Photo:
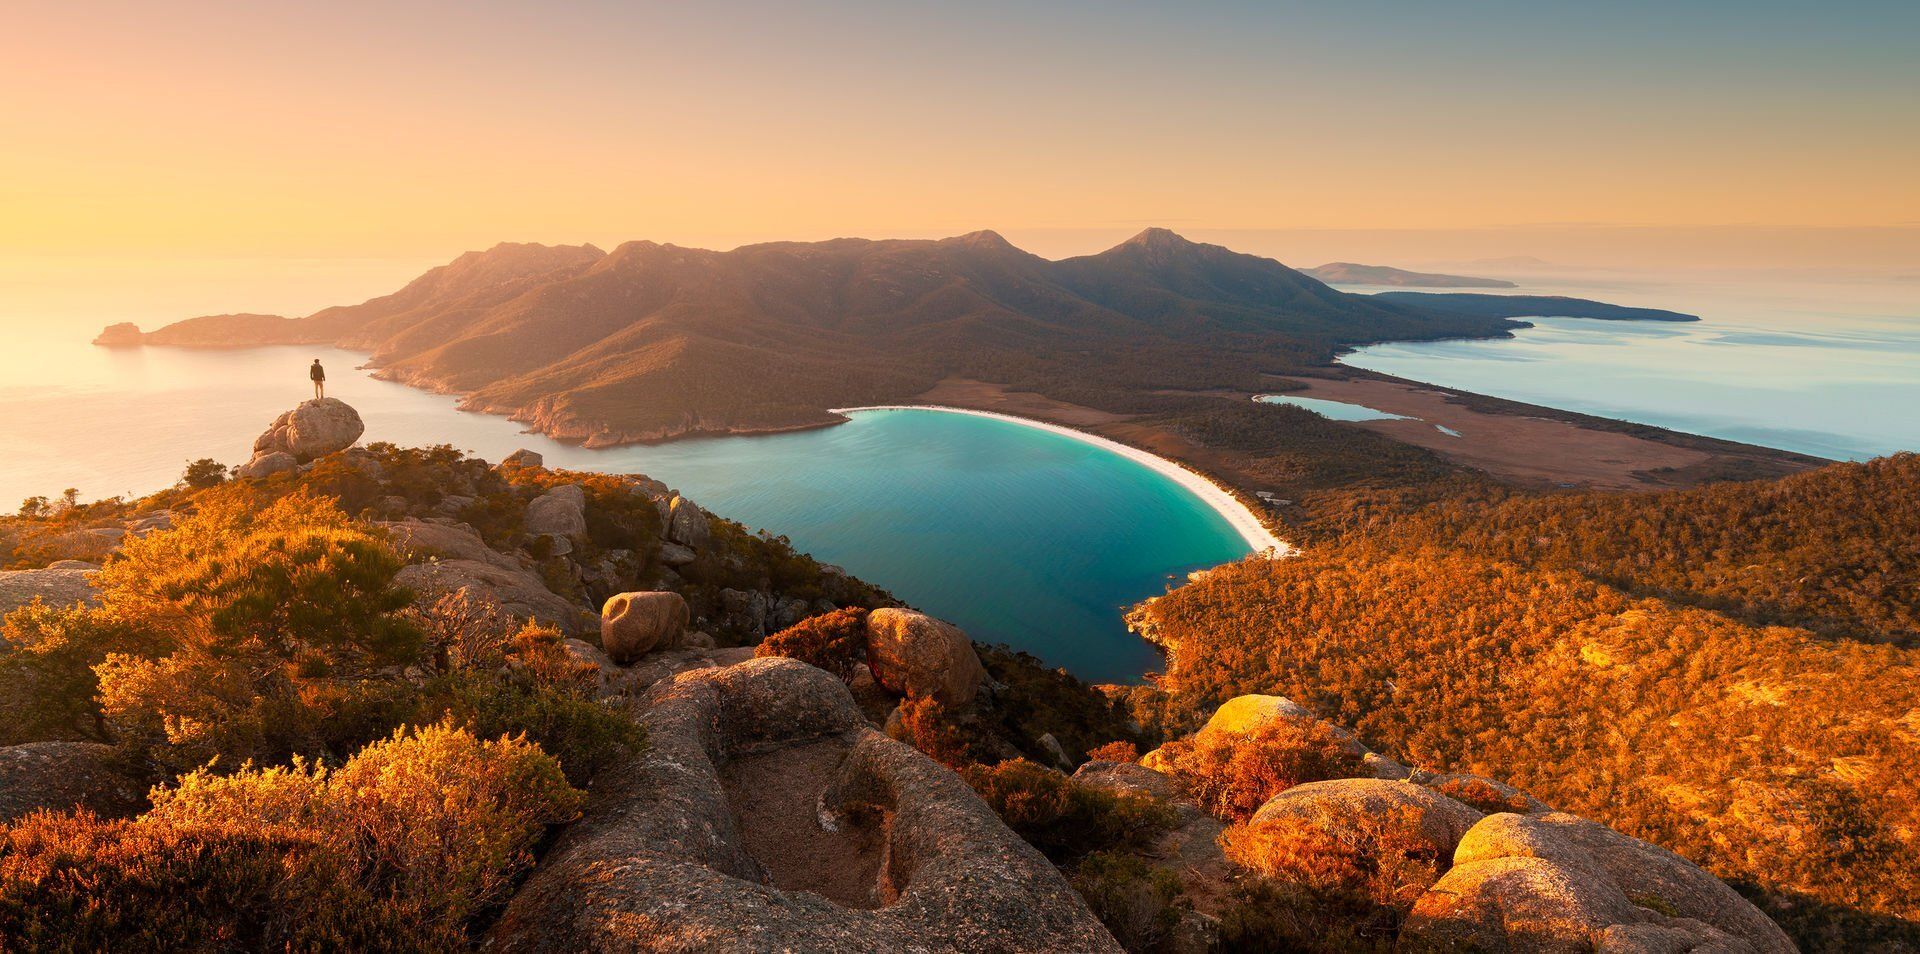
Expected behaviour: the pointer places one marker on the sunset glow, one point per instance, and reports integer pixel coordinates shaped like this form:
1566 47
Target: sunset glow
218 128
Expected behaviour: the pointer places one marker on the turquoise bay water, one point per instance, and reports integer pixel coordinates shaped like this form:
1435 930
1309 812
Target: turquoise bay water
1018 535
1332 410
1829 367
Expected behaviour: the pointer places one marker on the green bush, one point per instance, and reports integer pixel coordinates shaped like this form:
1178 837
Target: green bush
1063 818
1139 903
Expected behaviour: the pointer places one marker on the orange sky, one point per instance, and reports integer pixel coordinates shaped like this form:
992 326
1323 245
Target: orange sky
417 130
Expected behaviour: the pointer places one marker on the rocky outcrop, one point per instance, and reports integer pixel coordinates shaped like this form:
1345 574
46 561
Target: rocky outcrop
58 776
560 512
267 464
511 592
523 458
913 654
312 430
1558 882
635 624
123 334
1338 806
765 815
444 540
1242 716
1513 875
54 587
687 523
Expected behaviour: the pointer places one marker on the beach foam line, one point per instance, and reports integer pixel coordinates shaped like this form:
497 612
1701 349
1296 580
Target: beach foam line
1237 514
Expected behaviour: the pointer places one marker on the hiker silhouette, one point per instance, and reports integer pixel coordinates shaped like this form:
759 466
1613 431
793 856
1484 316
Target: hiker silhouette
319 376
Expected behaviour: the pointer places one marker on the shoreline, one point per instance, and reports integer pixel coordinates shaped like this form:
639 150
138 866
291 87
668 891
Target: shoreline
1237 514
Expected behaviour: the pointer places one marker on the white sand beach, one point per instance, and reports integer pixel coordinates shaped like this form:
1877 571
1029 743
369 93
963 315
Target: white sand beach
1238 515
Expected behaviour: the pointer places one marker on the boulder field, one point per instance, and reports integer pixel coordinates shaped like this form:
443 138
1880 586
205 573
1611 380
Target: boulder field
1525 881
766 814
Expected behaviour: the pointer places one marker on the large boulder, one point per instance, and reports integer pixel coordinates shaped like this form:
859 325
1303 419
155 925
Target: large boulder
765 814
1125 778
266 464
635 624
54 587
1558 882
1341 806
523 458
560 512
915 655
744 612
508 592
58 776
312 430
687 524
1241 716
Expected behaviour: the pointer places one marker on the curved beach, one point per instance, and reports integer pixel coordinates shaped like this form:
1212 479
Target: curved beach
1238 516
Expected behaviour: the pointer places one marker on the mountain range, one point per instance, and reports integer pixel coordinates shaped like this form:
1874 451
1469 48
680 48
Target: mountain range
651 341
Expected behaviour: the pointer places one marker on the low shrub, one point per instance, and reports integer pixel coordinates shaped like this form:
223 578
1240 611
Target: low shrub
1139 903
836 642
950 738
1114 752
1232 776
1063 818
582 733
1483 795
1378 858
400 848
1268 917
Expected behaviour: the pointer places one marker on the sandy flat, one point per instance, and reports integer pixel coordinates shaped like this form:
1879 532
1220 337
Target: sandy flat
1526 450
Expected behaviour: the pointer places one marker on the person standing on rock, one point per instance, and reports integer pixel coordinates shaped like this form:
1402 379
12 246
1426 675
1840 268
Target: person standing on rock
319 376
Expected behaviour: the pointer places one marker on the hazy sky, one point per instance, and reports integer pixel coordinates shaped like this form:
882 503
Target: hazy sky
416 129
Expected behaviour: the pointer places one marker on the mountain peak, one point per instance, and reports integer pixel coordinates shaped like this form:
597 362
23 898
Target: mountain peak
983 238
1156 238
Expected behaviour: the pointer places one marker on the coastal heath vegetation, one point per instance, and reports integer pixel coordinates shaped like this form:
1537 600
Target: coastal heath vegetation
334 763
1726 672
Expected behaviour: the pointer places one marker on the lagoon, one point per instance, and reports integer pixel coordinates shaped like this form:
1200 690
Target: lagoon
1019 535
1827 367
1332 410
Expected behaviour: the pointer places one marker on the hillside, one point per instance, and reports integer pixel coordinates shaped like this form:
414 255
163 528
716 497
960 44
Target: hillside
1348 273
383 698
1707 669
650 341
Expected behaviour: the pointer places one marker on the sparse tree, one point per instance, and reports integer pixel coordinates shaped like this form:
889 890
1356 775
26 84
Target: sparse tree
203 473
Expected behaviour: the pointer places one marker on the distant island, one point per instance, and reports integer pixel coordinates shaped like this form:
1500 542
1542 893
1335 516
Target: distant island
1348 273
1530 306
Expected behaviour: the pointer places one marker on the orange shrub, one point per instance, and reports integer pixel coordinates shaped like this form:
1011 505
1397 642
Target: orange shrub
1232 776
1377 858
836 642
399 849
